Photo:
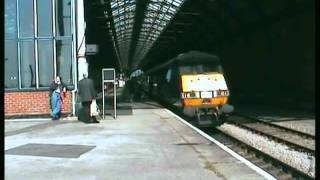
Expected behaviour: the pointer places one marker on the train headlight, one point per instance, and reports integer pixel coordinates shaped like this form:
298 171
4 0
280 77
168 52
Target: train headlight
215 93
190 95
222 93
206 94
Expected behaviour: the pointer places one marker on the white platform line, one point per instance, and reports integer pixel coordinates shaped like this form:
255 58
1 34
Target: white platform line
225 148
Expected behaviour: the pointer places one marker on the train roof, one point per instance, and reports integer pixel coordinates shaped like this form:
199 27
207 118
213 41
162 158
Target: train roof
196 57
188 57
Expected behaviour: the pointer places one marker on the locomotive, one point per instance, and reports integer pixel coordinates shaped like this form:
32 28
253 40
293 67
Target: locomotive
195 83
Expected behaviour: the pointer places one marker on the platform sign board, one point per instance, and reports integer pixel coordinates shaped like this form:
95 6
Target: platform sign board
109 76
92 49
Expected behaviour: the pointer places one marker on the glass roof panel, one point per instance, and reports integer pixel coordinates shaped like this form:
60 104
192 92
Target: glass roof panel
158 14
123 12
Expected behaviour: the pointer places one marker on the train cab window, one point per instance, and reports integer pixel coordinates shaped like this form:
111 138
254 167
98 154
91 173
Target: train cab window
168 76
200 68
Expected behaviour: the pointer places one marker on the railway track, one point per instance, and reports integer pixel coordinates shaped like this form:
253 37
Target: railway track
296 140
267 162
273 166
307 135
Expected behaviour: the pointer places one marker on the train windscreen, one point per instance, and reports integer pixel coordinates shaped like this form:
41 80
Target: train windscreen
200 68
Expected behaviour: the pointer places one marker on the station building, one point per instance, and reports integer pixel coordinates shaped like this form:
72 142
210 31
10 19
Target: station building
40 43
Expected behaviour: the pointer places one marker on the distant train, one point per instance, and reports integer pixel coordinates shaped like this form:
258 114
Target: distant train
193 81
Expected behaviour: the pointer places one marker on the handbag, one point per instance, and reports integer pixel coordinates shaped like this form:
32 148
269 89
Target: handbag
94 109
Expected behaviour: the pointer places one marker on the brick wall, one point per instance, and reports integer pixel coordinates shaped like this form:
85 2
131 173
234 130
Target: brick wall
32 103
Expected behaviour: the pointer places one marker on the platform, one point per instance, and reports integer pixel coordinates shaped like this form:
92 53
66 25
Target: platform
151 143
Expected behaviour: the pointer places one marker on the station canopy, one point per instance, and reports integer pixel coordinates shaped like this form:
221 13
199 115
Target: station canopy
136 25
143 34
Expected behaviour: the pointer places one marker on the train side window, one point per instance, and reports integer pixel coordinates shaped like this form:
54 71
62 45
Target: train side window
168 76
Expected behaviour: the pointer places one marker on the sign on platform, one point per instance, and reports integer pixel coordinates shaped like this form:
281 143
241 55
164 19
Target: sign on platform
109 76
92 49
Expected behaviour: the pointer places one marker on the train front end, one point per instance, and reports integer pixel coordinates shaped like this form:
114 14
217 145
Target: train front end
205 91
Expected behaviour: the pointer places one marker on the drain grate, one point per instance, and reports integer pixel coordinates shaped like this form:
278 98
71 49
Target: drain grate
50 150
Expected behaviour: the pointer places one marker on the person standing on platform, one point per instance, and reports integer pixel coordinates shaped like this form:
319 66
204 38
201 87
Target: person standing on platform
86 93
56 89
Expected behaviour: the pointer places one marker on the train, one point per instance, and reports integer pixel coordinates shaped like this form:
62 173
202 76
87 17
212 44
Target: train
194 82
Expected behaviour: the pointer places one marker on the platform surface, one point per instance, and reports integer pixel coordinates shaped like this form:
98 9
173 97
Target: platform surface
148 144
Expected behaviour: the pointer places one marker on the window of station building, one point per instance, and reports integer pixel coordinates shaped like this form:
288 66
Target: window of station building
26 23
64 60
63 17
10 15
28 67
11 65
54 53
46 62
44 15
